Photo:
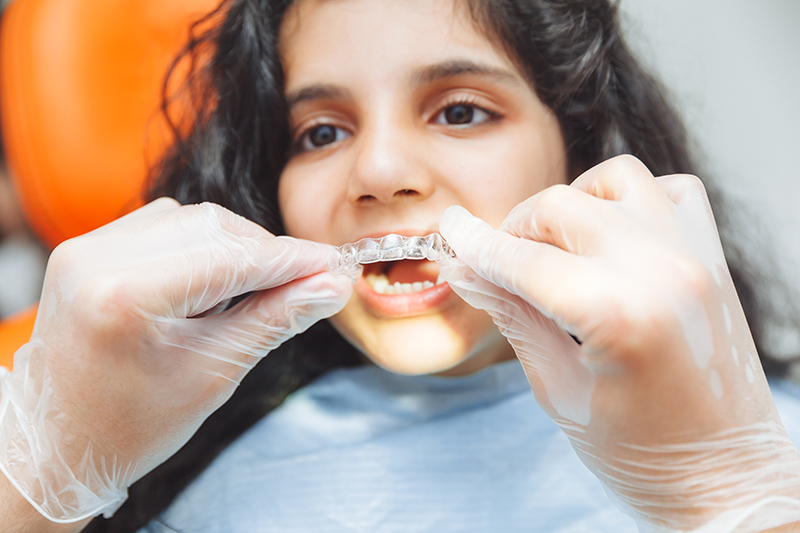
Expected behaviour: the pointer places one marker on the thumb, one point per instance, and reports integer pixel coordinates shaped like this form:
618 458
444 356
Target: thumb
478 245
230 343
547 277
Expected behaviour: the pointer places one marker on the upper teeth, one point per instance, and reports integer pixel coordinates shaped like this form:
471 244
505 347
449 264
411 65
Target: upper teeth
380 284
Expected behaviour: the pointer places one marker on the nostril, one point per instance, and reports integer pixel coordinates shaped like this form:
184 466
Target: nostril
366 198
406 192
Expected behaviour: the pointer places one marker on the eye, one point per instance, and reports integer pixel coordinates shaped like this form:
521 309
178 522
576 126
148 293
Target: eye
463 114
319 136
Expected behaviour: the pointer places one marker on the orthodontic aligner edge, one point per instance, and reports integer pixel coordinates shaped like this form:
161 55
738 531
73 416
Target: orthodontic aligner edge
390 247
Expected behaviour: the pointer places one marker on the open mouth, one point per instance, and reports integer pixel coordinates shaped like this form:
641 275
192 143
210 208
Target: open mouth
401 277
402 288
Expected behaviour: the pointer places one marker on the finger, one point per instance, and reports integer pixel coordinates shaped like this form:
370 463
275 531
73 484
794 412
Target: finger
677 186
182 261
550 279
147 211
616 179
228 344
194 282
565 217
211 255
504 307
553 362
264 260
697 228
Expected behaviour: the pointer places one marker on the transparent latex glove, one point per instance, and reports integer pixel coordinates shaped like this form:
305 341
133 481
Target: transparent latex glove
665 400
116 377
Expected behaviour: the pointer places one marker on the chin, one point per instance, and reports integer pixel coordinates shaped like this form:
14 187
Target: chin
460 342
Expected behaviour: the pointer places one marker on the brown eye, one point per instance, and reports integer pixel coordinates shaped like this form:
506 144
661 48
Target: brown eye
459 114
321 136
463 115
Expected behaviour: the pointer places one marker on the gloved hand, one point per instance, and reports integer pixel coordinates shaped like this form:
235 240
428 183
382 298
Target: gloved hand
664 400
131 351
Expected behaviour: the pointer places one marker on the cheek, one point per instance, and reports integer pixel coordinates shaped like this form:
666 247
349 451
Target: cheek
302 206
498 176
312 194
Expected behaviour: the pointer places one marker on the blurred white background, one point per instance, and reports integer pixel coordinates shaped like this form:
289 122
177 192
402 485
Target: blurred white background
734 71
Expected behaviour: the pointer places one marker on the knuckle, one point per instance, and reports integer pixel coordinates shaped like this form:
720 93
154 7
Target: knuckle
106 303
63 254
621 168
624 164
519 221
166 201
693 279
206 211
226 219
202 213
552 202
689 182
68 260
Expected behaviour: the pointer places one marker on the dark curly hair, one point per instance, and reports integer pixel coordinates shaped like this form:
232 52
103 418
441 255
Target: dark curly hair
232 145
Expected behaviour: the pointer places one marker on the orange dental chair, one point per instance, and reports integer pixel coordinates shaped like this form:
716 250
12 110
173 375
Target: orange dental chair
80 87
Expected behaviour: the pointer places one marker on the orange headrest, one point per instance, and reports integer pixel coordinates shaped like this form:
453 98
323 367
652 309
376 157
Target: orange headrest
80 84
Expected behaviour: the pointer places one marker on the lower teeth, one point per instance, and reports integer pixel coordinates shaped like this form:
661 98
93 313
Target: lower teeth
381 285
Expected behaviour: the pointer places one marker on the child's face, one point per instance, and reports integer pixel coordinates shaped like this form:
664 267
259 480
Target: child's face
400 109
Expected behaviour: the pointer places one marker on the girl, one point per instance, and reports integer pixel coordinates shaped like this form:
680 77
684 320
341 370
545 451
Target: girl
333 121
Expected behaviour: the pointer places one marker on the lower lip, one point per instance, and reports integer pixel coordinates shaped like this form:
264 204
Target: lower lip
403 305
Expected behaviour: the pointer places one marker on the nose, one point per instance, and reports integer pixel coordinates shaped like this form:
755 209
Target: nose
388 169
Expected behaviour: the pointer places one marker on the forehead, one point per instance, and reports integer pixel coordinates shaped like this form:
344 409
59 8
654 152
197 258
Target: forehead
339 41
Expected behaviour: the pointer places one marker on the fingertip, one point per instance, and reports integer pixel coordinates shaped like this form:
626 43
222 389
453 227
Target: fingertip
452 219
327 285
317 296
457 224
613 178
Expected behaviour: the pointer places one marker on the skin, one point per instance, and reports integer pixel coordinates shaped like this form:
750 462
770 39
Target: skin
385 74
394 166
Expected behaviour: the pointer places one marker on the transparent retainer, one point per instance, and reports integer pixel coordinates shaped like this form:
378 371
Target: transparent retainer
391 247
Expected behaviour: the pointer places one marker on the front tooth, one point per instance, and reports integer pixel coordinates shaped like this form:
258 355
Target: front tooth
439 280
380 284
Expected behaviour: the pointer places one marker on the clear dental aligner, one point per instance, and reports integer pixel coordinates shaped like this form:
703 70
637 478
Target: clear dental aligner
390 248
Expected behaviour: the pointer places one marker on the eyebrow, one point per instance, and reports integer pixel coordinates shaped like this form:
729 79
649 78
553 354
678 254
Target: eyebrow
460 67
422 76
317 92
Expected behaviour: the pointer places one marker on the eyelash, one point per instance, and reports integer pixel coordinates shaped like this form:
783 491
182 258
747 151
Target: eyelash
297 145
469 101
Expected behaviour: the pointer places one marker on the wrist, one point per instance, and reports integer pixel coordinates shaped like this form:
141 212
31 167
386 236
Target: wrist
18 516
38 458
